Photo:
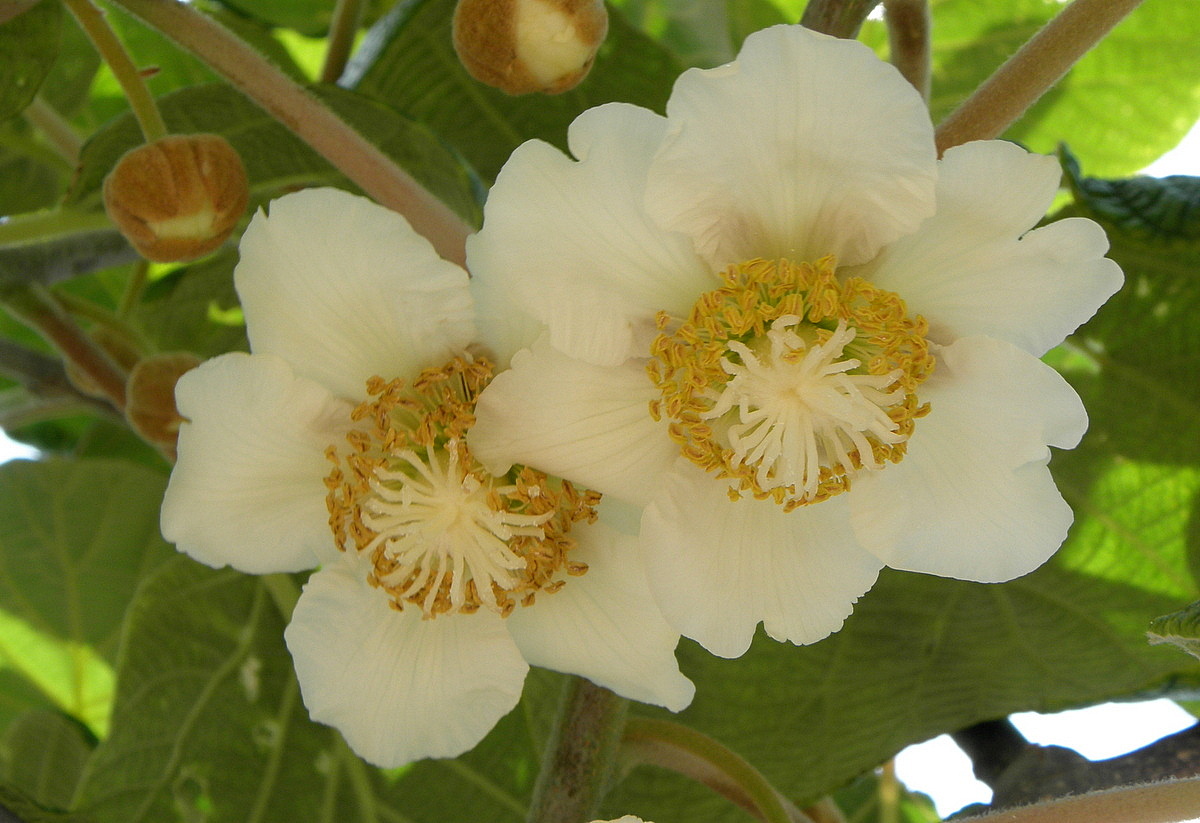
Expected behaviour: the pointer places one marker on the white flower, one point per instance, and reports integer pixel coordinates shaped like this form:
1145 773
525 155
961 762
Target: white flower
339 443
806 346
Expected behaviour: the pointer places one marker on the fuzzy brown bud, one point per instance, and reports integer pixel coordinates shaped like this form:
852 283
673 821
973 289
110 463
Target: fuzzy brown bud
150 398
523 46
177 198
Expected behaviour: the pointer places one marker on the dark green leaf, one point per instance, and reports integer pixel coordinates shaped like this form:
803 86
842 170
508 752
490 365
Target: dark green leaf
27 183
190 309
70 80
1164 210
29 43
42 754
408 62
275 159
311 17
1180 629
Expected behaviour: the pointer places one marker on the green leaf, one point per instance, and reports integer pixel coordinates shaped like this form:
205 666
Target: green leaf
74 540
698 34
1160 210
26 183
194 308
276 159
1180 629
43 754
69 83
29 43
1129 100
407 61
205 682
748 16
311 17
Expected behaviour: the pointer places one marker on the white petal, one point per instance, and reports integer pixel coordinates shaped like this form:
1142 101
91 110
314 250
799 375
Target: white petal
344 289
804 146
588 424
973 269
605 625
571 239
248 488
973 498
718 567
505 325
396 686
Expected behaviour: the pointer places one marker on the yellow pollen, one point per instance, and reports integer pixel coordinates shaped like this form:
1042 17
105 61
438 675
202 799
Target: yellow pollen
442 534
789 381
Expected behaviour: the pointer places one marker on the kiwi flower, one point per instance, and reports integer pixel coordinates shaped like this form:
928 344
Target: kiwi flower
339 443
806 346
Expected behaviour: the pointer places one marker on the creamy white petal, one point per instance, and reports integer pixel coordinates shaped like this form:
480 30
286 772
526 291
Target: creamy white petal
718 567
605 625
344 289
589 424
504 324
569 237
973 268
396 686
973 498
247 490
804 146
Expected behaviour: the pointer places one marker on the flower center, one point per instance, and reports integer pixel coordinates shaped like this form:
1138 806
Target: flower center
440 532
789 381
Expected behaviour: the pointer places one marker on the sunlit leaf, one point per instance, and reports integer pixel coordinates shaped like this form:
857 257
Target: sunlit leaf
206 682
74 540
1125 103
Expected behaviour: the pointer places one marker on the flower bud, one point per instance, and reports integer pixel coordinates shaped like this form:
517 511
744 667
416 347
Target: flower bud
177 198
523 46
150 398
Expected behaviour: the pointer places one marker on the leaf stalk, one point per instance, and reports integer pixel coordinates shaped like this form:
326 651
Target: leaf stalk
580 755
91 20
705 760
1032 71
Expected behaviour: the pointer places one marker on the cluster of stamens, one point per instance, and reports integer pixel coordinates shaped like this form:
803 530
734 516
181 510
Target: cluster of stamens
440 532
790 381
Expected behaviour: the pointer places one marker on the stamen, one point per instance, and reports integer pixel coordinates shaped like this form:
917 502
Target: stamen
440 533
789 381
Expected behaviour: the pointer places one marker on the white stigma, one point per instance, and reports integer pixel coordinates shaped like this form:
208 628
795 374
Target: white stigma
435 522
798 410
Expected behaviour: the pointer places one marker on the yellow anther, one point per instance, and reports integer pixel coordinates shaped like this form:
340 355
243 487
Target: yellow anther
789 381
441 534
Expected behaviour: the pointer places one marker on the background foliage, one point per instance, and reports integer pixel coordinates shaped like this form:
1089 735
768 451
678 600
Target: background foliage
131 678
